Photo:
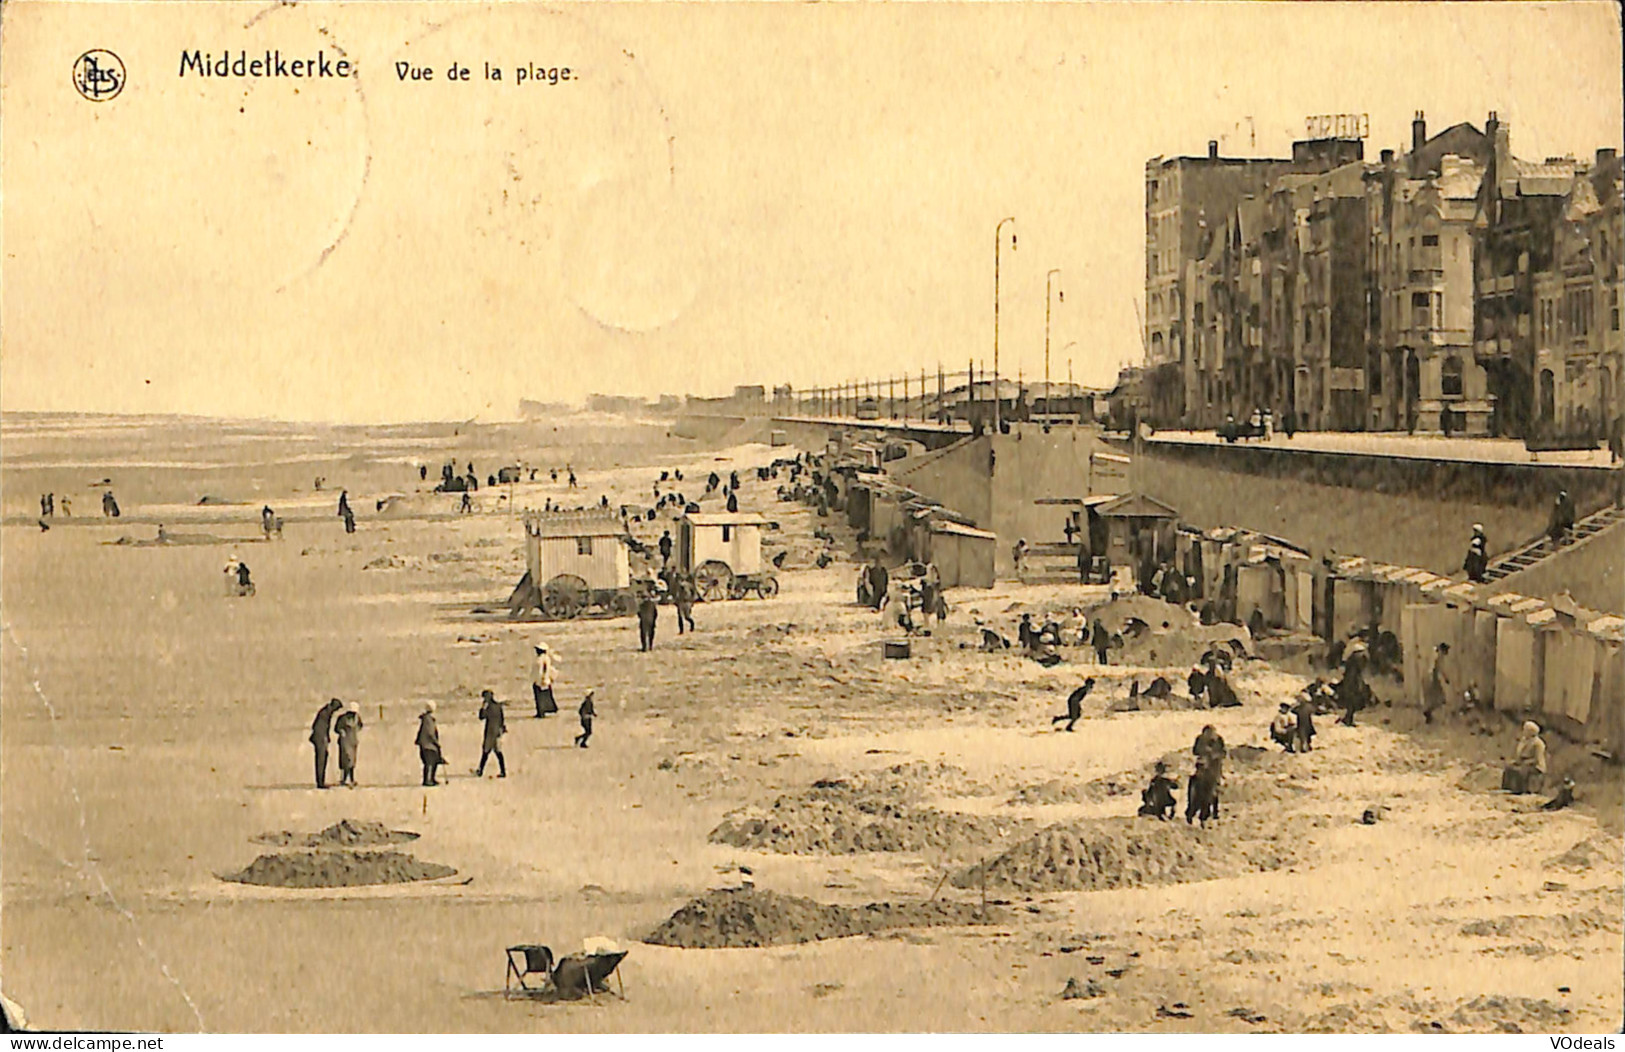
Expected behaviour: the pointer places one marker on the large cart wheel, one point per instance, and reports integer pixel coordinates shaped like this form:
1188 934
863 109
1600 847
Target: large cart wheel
623 605
714 581
565 597
767 587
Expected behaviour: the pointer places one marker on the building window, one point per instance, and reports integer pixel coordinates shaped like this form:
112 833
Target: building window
727 533
1430 240
1450 377
1613 309
1376 374
1419 310
583 545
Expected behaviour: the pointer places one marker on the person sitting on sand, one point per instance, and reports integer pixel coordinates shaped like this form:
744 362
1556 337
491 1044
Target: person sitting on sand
347 729
1157 799
896 612
1564 797
1527 771
428 743
1220 695
1209 749
1283 727
1074 705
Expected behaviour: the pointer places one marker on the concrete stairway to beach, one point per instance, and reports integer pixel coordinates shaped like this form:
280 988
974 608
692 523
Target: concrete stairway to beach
1530 555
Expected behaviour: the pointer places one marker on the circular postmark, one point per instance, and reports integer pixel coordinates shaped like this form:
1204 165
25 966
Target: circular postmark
98 75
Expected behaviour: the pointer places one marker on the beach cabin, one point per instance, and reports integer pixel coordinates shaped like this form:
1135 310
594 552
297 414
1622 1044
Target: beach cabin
963 554
574 560
1138 528
733 539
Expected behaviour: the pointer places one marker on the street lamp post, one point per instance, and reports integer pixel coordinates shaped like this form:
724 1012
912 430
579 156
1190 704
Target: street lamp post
998 246
1071 392
1047 278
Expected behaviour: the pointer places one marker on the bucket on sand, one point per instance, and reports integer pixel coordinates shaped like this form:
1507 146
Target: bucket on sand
898 649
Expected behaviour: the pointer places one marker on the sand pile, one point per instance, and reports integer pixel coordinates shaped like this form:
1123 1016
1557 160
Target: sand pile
738 917
872 811
1119 853
337 869
1549 926
1585 854
344 833
1492 1013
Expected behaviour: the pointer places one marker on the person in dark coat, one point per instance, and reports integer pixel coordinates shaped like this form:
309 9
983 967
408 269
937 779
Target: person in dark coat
1305 711
1562 518
428 743
321 736
648 618
344 503
879 580
245 583
683 594
665 547
586 714
496 725
349 521
347 729
1100 640
1478 557
1157 799
1220 694
1026 634
1209 749
1074 705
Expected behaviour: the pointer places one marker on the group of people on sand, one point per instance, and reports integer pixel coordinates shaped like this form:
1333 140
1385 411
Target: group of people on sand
1157 800
340 722
915 588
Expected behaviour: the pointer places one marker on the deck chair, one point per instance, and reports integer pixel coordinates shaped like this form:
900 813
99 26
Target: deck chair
526 960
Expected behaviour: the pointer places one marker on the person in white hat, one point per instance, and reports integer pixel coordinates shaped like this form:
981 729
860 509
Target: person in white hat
347 729
541 682
428 742
1478 557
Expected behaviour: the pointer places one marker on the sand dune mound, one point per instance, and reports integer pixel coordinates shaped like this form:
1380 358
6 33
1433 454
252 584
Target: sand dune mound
1584 854
744 917
344 833
878 810
1120 853
337 869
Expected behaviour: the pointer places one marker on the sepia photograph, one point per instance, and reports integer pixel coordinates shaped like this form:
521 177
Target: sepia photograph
800 518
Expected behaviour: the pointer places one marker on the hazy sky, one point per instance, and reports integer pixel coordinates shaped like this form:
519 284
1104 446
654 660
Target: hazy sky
727 193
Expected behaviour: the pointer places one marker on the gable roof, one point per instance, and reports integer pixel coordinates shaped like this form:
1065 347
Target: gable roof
573 524
724 518
1137 505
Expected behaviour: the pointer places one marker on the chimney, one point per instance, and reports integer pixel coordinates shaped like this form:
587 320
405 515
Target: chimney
1605 156
1387 158
1212 149
1419 131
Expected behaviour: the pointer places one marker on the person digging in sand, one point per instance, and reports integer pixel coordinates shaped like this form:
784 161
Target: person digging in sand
1157 799
1074 705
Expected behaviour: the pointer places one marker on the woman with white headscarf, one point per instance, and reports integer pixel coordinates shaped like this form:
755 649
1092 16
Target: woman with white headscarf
347 729
428 742
1527 771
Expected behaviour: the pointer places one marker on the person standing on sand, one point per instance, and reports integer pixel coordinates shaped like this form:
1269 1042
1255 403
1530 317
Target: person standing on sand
665 547
344 503
496 725
586 714
347 729
1074 705
349 521
648 617
428 743
1437 687
1100 639
321 734
541 682
1305 730
683 593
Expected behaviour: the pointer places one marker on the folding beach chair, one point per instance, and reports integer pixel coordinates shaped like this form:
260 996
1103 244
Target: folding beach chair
523 961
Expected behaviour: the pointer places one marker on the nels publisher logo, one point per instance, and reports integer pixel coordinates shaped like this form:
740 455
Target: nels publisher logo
99 75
